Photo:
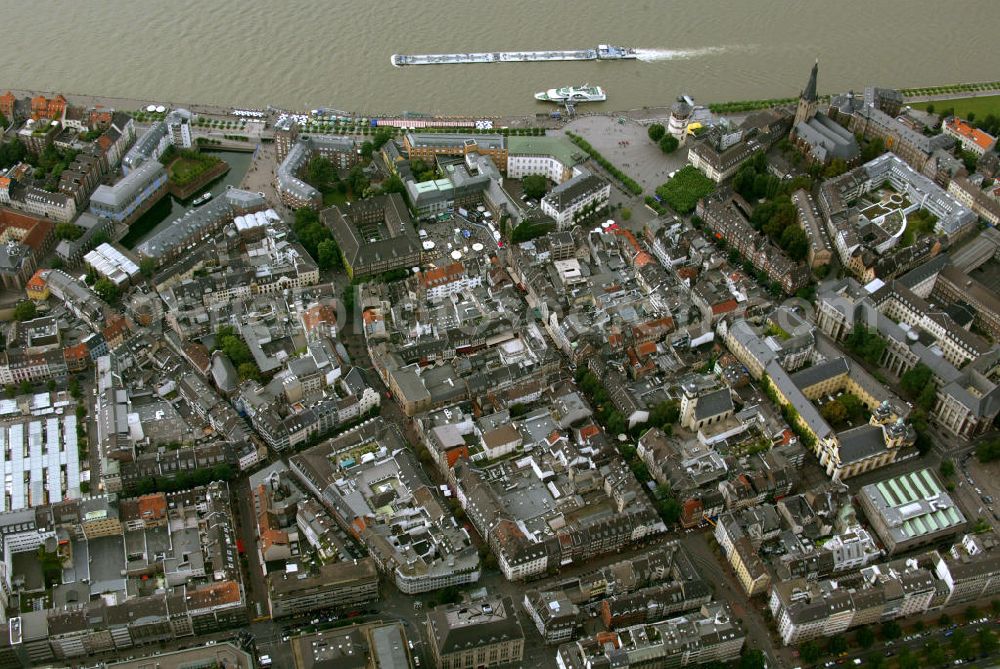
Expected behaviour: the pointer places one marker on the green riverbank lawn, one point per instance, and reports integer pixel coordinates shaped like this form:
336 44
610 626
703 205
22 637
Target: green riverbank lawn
981 107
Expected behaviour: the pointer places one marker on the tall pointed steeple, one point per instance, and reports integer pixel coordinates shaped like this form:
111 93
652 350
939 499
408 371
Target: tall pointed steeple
809 94
808 100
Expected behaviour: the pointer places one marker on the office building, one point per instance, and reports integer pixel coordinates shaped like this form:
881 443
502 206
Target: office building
375 235
910 511
483 633
132 196
577 199
339 585
712 634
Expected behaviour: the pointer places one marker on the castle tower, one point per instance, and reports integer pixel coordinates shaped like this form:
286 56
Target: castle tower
807 100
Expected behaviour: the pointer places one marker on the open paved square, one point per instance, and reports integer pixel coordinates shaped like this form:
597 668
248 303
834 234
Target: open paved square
628 146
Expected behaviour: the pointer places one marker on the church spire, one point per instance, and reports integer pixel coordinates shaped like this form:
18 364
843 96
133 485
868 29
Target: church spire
809 94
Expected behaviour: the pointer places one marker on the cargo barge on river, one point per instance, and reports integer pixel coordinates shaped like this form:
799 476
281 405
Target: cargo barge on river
602 52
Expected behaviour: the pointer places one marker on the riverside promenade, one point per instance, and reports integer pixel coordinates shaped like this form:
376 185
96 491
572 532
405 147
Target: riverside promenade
535 119
540 118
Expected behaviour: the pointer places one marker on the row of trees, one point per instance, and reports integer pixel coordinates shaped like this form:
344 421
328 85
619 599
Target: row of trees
612 420
951 88
217 123
183 480
751 105
788 413
630 184
141 115
918 385
26 387
934 653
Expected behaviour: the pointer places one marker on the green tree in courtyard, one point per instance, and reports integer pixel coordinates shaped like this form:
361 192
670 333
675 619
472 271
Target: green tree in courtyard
25 310
147 267
68 231
394 185
328 255
248 370
915 379
320 172
535 186
106 290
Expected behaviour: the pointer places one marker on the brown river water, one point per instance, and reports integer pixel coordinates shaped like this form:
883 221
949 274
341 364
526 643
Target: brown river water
335 54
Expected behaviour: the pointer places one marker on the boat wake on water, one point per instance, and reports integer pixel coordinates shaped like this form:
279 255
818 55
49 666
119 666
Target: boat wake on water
653 55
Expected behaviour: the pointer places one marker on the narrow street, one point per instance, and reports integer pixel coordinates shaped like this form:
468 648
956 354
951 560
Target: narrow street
253 578
727 588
